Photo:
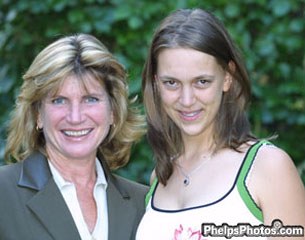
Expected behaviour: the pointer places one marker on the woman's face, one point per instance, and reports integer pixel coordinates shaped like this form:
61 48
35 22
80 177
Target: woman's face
191 85
76 120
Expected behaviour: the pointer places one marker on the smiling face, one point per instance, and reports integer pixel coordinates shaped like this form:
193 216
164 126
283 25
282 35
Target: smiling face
76 119
191 85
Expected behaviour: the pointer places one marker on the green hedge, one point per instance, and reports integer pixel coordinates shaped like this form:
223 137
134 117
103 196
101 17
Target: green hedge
270 34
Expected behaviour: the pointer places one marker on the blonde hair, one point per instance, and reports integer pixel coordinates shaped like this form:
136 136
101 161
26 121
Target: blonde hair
79 55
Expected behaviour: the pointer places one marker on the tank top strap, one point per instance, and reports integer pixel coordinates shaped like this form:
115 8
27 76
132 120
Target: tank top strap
244 173
150 192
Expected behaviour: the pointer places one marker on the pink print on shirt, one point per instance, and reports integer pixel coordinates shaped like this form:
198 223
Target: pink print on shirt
189 234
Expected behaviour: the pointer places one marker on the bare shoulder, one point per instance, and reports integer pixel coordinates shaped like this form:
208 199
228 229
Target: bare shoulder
274 160
274 167
278 186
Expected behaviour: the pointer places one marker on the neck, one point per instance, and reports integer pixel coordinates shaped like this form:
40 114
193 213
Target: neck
202 143
75 171
191 166
197 149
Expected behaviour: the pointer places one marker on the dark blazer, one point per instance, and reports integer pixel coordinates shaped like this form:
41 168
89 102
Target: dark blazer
32 207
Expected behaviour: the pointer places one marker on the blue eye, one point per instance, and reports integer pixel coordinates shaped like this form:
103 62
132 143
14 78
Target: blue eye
90 99
59 101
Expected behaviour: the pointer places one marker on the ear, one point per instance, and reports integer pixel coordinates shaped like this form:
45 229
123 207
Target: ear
111 115
111 118
228 79
39 121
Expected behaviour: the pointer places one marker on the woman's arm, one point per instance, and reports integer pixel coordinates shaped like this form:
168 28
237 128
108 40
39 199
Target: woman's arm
278 188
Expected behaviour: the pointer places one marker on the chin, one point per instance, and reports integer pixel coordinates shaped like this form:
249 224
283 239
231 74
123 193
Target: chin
191 133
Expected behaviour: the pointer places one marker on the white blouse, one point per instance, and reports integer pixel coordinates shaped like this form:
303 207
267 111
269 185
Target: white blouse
68 191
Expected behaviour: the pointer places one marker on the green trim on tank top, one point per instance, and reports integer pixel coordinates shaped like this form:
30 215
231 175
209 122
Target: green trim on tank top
150 192
241 185
241 181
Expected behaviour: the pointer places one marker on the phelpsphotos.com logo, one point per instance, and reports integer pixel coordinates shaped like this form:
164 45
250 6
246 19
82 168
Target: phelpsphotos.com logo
276 229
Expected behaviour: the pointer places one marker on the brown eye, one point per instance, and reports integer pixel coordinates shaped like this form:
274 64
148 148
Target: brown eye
170 84
202 83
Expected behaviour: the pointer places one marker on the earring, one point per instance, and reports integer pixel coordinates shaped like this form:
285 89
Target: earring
38 129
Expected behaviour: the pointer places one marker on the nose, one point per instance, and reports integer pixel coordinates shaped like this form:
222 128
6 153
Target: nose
75 114
187 96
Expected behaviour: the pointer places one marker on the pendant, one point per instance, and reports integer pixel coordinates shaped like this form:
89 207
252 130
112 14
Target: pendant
186 181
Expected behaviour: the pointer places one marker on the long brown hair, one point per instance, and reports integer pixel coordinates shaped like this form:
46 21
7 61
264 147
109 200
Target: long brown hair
202 31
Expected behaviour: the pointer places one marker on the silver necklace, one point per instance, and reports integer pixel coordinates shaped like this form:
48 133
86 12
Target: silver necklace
187 180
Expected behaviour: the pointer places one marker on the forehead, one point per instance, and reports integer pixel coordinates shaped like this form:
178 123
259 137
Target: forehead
86 83
185 61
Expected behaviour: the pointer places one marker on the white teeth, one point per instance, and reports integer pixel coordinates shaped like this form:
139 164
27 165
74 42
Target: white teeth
192 114
77 133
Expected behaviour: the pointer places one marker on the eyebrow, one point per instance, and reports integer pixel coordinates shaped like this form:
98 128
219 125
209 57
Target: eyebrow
86 94
97 95
203 76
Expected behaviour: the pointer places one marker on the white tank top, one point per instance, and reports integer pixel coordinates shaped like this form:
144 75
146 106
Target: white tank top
232 212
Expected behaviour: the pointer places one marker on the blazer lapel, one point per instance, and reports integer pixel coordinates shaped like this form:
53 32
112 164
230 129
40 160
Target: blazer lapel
121 212
47 204
50 208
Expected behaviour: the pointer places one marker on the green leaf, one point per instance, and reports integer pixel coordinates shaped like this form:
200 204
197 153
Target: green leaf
280 7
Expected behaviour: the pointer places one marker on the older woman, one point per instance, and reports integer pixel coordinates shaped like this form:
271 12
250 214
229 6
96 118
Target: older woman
71 125
210 169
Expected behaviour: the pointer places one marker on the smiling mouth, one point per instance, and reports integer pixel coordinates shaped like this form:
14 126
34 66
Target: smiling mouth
79 133
190 114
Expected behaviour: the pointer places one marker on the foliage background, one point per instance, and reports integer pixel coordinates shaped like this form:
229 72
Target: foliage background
269 32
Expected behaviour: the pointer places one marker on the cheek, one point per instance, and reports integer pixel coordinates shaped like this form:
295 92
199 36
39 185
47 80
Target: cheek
168 97
102 116
50 116
211 98
218 90
215 98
